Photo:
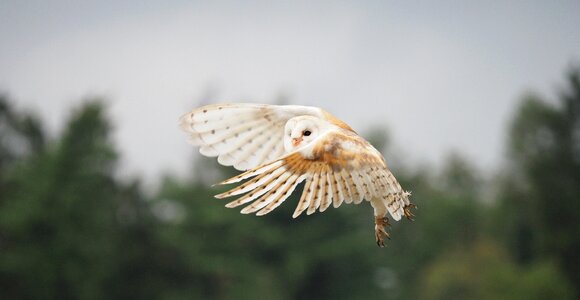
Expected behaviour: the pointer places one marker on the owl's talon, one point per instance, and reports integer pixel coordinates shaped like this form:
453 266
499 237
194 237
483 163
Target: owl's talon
407 211
380 232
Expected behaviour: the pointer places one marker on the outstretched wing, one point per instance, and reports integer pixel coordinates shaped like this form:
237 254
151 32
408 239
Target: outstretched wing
338 167
243 135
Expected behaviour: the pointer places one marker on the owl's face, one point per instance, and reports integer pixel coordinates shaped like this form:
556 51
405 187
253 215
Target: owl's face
300 131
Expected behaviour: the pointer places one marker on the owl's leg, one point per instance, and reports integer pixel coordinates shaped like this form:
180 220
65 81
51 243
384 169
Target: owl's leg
407 211
381 220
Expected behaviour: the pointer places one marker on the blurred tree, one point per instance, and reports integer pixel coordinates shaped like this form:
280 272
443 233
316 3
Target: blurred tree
460 178
379 138
53 221
63 215
21 134
448 216
483 271
541 193
230 255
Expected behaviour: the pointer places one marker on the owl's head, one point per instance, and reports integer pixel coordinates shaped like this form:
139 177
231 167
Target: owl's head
300 131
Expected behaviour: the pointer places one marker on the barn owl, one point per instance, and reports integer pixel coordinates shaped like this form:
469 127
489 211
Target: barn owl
278 147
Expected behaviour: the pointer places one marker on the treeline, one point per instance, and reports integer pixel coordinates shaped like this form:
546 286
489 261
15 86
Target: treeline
71 229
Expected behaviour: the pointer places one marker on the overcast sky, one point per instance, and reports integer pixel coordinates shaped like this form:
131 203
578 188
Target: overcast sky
441 77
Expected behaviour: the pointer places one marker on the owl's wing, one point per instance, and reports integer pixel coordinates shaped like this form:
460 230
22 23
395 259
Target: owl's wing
338 167
244 135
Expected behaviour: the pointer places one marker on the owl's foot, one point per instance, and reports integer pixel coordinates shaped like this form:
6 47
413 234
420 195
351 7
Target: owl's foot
380 232
407 210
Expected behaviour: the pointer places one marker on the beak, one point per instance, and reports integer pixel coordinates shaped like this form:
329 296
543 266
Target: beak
296 141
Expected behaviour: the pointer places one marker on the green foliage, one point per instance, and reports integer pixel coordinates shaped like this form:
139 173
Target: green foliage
228 252
20 134
59 214
545 152
483 271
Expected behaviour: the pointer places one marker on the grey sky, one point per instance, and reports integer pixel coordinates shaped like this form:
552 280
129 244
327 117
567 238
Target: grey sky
441 76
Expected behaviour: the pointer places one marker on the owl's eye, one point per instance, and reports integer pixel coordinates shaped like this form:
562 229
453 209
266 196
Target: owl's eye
306 132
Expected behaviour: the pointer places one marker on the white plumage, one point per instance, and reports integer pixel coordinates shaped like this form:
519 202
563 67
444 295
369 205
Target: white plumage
280 147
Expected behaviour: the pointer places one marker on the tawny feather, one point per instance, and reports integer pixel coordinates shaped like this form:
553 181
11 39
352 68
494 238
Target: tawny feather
285 194
304 199
317 193
280 147
273 190
348 193
337 196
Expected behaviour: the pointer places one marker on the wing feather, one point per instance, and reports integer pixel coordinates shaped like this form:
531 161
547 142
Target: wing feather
337 196
370 183
318 190
203 126
305 198
394 206
328 193
277 149
265 149
394 186
264 188
335 171
250 155
285 194
349 194
359 186
208 151
280 184
220 137
255 182
251 173
234 151
232 131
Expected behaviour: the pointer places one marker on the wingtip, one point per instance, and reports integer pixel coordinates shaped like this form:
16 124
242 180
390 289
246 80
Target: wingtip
227 181
396 217
246 210
232 204
184 121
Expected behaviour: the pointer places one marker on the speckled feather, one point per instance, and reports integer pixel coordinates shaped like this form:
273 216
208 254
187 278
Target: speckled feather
338 166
